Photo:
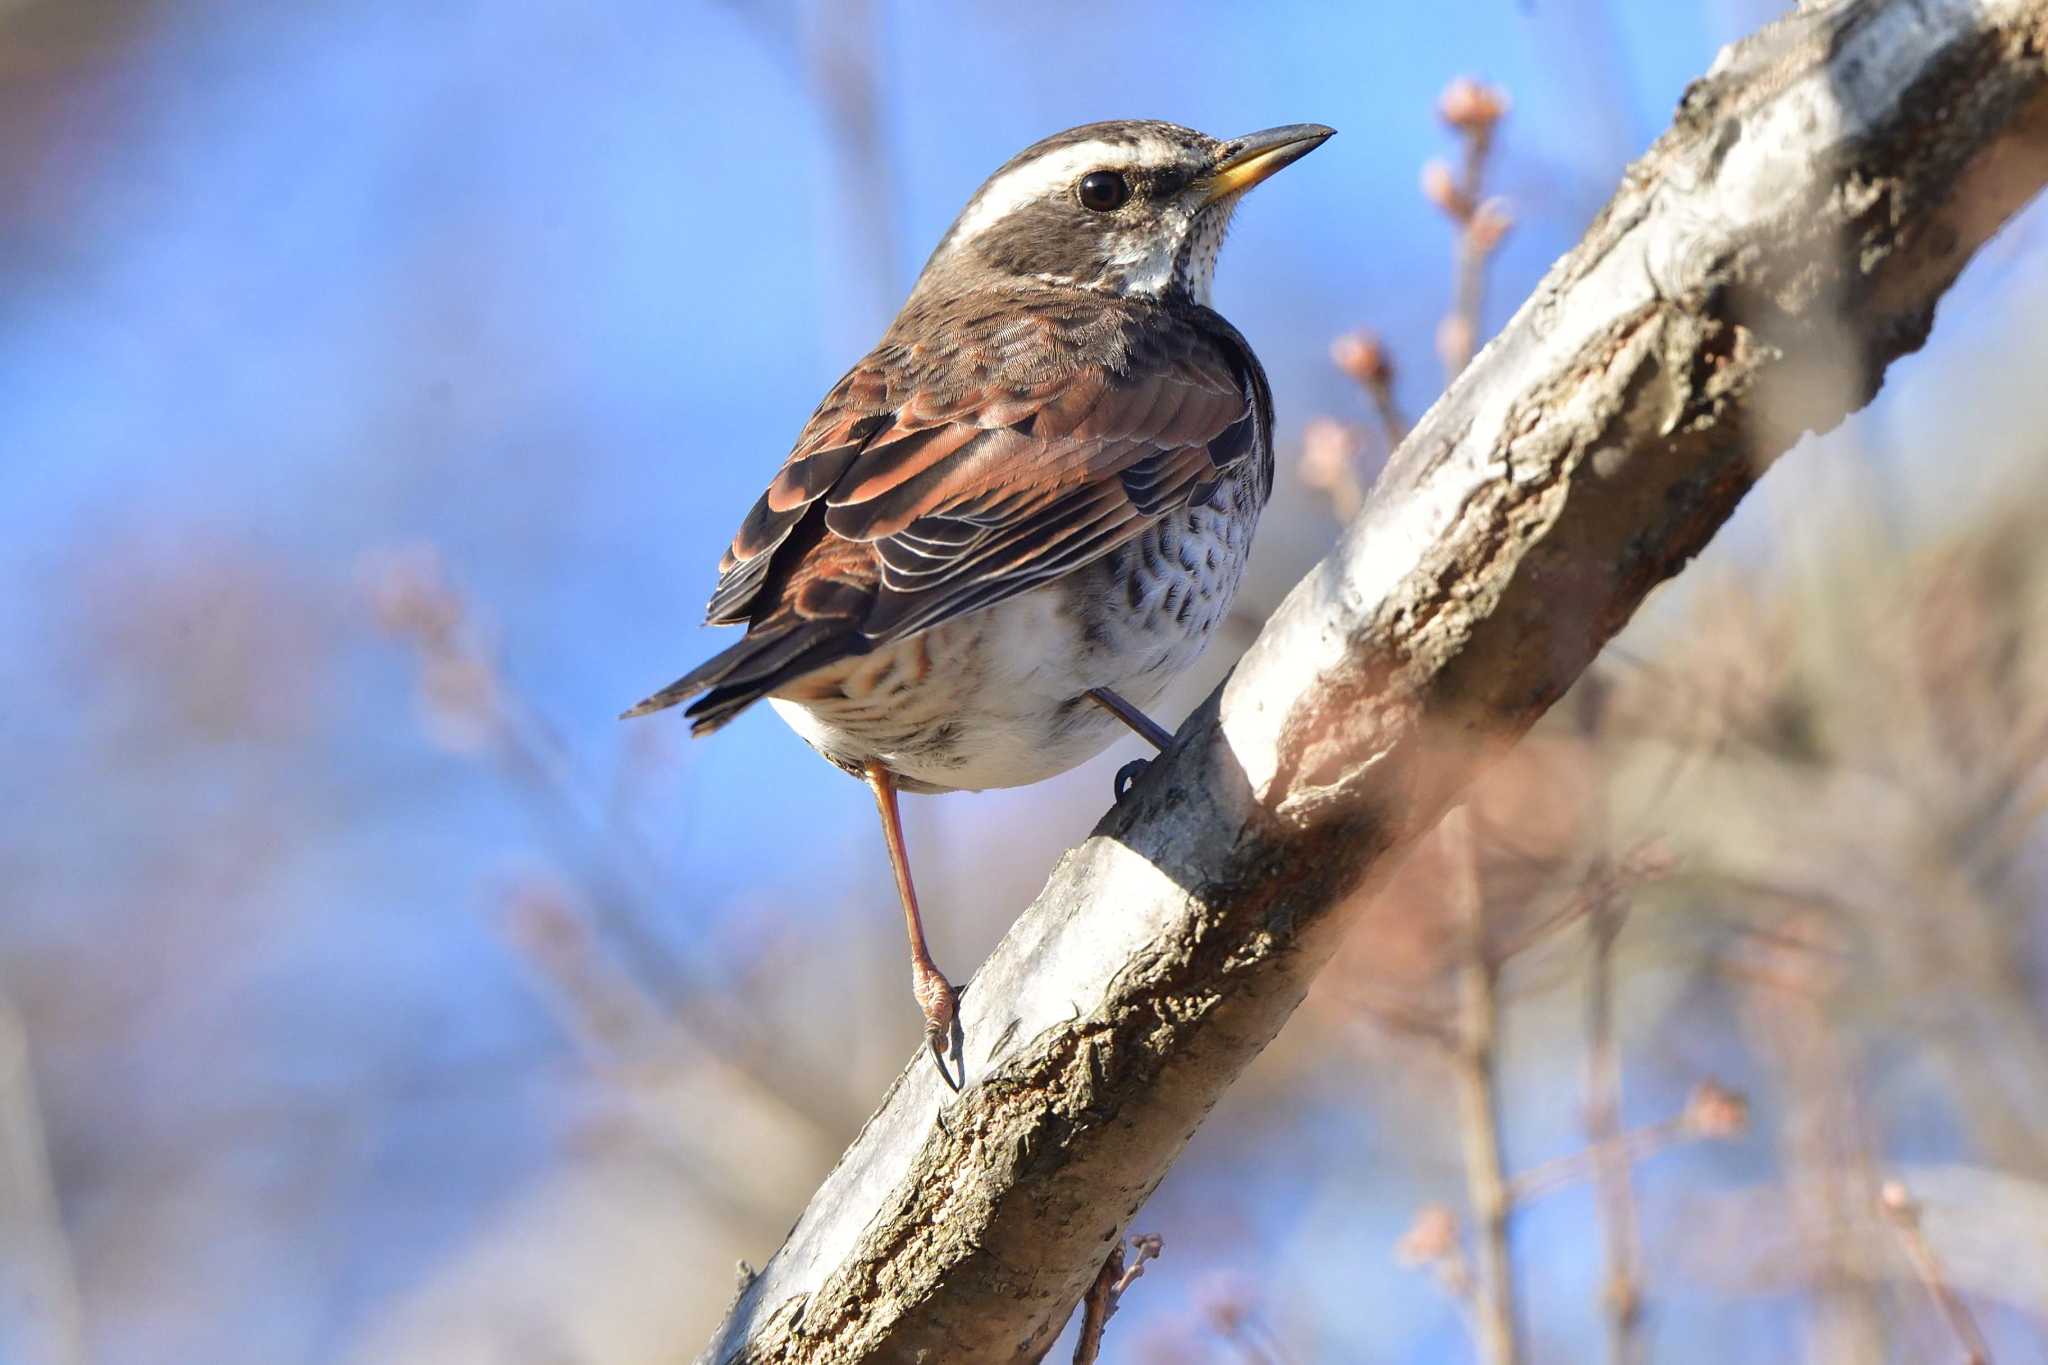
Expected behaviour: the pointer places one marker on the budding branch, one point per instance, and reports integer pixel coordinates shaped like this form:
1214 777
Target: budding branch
1757 271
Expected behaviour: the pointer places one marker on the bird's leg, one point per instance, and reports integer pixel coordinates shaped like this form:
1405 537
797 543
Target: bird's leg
1147 729
935 995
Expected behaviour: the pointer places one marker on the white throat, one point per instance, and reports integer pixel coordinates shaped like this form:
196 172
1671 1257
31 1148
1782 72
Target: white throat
1185 252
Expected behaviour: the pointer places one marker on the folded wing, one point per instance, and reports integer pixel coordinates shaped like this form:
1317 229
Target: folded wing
909 503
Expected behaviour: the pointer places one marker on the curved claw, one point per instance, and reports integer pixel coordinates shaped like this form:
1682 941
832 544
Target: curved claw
956 1039
941 1005
1127 777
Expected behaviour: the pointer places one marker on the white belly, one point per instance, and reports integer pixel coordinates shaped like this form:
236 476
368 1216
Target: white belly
999 697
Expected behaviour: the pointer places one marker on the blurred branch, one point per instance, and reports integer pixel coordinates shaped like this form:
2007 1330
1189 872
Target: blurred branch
468 705
1609 880
1904 1214
845 60
39 1312
1829 1188
1614 1183
1433 1241
1228 1307
1329 448
834 48
1364 357
652 1001
1986 1228
1710 1112
1473 111
1817 195
1477 1061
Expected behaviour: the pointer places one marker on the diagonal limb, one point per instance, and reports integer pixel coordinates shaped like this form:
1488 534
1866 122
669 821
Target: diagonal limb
935 995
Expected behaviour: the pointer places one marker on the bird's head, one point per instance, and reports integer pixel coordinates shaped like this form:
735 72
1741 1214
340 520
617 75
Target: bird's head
1132 207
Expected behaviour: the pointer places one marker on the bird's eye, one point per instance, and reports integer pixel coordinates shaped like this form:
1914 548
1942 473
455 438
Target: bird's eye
1103 191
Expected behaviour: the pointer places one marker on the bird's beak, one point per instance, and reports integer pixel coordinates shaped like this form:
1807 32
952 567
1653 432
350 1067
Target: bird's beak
1249 159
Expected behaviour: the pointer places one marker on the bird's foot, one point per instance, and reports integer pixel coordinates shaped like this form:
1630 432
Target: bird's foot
941 1006
1127 777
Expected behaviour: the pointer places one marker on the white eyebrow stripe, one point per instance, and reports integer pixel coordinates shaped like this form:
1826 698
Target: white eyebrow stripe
1034 180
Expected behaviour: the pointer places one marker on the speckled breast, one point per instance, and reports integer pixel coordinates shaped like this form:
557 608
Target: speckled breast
998 698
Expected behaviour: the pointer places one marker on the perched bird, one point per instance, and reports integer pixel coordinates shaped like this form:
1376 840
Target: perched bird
1009 526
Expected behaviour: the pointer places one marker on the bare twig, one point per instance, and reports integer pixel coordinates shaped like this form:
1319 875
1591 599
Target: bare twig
1902 1211
604 1009
1474 111
1098 1304
471 707
1364 357
1147 1245
1827 1183
1228 1306
1621 1295
1103 1297
1329 464
1406 1019
1649 861
1432 1241
1710 1113
1329 449
1477 1062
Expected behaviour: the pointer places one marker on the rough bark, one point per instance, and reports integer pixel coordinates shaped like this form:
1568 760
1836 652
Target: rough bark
1757 271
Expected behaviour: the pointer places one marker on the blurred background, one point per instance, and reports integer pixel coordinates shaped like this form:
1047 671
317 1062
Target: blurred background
378 384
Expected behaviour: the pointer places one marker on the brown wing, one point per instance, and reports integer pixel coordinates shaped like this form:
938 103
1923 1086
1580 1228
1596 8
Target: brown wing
907 504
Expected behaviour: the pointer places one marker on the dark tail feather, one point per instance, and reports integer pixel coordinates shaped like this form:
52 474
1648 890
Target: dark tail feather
740 676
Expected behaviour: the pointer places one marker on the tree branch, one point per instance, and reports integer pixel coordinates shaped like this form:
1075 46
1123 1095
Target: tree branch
1760 266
